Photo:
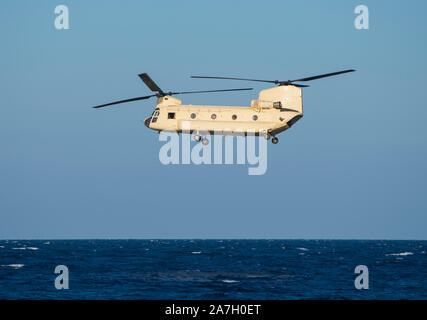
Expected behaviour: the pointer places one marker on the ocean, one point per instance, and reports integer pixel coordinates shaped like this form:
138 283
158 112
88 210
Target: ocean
213 269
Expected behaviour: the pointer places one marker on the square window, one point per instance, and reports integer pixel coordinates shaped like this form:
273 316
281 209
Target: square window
171 115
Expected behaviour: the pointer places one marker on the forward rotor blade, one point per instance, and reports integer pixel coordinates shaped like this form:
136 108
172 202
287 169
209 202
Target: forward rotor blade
205 91
321 76
289 82
226 78
150 83
123 101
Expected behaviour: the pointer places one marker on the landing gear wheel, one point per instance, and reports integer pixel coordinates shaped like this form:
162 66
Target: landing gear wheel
275 140
267 136
205 141
197 138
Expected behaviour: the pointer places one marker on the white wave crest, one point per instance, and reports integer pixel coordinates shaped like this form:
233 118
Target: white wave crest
196 252
400 254
16 266
230 281
303 249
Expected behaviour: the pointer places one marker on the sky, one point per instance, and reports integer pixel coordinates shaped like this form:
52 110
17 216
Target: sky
354 167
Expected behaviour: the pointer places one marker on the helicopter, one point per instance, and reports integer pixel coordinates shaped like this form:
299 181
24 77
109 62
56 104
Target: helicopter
276 109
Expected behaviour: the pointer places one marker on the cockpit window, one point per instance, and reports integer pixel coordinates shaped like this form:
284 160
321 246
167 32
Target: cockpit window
154 116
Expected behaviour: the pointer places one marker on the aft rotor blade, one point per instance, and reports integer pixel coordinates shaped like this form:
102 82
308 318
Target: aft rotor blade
322 76
205 91
123 101
150 83
227 78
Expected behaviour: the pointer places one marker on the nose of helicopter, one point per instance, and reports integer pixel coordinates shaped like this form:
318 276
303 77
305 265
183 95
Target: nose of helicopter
147 122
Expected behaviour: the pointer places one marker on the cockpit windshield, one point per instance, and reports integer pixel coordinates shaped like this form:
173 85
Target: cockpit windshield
155 114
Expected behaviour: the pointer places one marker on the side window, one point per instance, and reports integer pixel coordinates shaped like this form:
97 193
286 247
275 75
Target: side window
171 115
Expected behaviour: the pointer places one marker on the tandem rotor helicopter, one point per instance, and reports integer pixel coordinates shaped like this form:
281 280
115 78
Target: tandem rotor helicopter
275 110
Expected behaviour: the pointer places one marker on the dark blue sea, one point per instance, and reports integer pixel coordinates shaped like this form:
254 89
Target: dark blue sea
213 269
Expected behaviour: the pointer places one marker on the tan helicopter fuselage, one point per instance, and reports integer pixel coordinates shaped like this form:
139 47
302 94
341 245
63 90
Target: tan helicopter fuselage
276 110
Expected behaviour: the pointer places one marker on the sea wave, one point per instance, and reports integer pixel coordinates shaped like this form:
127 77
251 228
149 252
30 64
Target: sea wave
400 254
13 265
230 281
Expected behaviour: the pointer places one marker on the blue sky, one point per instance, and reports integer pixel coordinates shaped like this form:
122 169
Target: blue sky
354 167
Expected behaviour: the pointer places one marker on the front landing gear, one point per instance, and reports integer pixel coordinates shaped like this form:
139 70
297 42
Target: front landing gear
199 138
275 140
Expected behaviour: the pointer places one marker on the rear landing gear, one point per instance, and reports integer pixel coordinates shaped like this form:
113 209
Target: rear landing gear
197 138
267 136
205 141
275 140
